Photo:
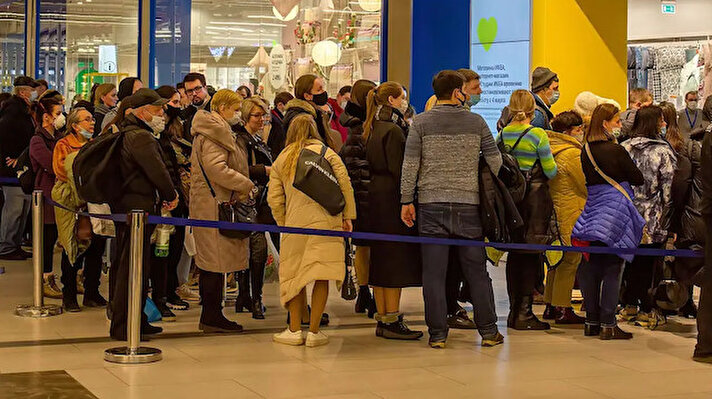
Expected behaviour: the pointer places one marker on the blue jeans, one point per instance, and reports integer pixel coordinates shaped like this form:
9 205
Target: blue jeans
14 218
461 221
600 280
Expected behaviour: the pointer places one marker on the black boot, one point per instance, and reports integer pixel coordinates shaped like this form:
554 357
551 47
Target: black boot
69 286
363 300
257 278
550 312
689 310
609 333
212 319
525 318
162 306
513 308
243 303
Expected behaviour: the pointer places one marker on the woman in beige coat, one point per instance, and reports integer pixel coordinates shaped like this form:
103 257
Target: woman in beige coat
225 165
305 259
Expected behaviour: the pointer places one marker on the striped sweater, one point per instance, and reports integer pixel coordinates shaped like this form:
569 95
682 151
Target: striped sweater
535 145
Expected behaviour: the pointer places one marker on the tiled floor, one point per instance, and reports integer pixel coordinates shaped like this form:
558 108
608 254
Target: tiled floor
560 363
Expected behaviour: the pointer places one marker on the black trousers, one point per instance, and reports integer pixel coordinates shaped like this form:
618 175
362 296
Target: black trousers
91 262
524 272
119 277
638 280
50 234
704 313
258 261
211 286
164 271
453 282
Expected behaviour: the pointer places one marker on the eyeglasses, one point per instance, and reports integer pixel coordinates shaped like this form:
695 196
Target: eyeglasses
258 115
89 119
194 90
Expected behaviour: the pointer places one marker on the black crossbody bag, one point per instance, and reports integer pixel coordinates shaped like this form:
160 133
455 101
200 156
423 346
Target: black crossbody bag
232 212
315 177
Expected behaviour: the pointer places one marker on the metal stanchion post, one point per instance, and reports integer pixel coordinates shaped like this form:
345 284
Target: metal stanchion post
134 353
38 308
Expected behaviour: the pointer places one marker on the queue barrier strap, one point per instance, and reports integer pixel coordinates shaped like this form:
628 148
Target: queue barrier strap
212 224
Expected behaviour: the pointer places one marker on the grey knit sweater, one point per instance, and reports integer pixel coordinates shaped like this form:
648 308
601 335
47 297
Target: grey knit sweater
442 156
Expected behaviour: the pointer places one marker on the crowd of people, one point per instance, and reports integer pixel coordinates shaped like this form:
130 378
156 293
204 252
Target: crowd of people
593 176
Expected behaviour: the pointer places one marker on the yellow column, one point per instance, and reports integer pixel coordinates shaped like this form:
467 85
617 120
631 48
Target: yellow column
584 41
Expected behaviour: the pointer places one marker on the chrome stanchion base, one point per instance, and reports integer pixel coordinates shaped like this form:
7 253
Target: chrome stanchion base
38 311
140 355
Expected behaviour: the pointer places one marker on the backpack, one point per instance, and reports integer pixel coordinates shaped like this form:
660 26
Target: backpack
509 173
96 169
25 174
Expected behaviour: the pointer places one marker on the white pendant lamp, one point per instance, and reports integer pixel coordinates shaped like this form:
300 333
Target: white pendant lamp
370 5
290 16
326 53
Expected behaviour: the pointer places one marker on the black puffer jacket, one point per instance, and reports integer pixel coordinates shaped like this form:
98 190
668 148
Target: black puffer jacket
16 130
143 169
354 155
687 220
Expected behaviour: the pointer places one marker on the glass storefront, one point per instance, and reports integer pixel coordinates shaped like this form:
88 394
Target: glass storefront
83 42
12 42
231 42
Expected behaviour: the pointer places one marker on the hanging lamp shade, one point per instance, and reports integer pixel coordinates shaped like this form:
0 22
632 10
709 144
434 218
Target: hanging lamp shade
370 5
284 6
326 53
261 58
287 17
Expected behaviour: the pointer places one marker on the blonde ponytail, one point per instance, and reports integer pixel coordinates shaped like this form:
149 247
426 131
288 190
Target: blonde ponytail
521 105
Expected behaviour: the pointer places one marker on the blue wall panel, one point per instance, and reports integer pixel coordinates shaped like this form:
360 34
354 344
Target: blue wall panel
441 40
172 46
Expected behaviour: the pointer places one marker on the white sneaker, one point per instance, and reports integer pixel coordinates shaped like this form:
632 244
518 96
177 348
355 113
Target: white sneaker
317 339
289 337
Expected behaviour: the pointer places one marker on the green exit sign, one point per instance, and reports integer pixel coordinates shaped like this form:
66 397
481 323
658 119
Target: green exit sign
669 8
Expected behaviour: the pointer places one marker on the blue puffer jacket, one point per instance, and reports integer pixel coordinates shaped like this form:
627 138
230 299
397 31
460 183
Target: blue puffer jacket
610 218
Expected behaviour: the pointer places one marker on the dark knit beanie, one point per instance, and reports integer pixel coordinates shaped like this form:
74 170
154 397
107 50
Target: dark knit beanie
542 78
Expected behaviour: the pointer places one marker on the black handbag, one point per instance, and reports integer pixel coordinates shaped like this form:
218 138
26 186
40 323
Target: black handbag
232 212
315 177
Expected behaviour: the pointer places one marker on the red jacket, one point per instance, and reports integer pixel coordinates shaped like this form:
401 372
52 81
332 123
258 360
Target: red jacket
344 132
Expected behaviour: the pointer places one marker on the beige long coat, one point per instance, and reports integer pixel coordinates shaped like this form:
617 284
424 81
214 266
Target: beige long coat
226 166
304 259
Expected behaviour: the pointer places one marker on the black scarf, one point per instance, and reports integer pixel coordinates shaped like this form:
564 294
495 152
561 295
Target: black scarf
388 113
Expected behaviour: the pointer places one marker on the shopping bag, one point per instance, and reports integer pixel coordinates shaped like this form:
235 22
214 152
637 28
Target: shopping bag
189 241
272 267
101 227
151 311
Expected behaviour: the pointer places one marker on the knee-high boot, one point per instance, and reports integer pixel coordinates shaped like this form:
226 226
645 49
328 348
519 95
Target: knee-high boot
243 303
212 318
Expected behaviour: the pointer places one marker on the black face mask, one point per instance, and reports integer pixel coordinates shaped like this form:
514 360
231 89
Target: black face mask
173 112
320 99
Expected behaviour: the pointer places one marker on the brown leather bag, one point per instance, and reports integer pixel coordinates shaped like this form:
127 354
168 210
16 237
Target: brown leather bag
83 228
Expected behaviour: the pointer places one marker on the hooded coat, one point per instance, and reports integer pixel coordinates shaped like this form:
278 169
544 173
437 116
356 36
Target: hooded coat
303 258
225 164
354 155
657 162
568 187
296 107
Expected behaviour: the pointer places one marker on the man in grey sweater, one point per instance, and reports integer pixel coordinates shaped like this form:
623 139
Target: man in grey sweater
441 167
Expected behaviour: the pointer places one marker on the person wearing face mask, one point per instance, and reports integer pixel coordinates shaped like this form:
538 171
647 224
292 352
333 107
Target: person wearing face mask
657 161
49 119
105 99
545 87
259 158
691 121
77 254
176 156
568 193
609 219
219 162
311 98
16 130
393 266
530 146
337 106
473 88
148 187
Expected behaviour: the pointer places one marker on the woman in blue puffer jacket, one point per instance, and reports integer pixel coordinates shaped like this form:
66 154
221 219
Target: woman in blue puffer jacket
609 219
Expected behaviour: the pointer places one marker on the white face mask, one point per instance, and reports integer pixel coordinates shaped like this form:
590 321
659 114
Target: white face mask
157 124
692 105
59 121
403 107
87 134
235 120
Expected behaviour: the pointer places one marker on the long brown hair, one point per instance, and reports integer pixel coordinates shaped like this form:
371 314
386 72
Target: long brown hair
301 130
672 135
595 131
102 90
42 107
378 97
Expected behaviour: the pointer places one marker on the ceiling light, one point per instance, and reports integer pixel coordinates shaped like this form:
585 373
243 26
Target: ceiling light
290 16
370 5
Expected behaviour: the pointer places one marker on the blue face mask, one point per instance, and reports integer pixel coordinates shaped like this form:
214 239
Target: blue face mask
663 131
554 97
87 135
474 100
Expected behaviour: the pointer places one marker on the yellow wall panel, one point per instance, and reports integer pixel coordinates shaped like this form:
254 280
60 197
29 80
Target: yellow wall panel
584 41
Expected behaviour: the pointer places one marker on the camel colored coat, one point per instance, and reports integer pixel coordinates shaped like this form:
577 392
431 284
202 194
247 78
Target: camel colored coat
304 259
225 164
